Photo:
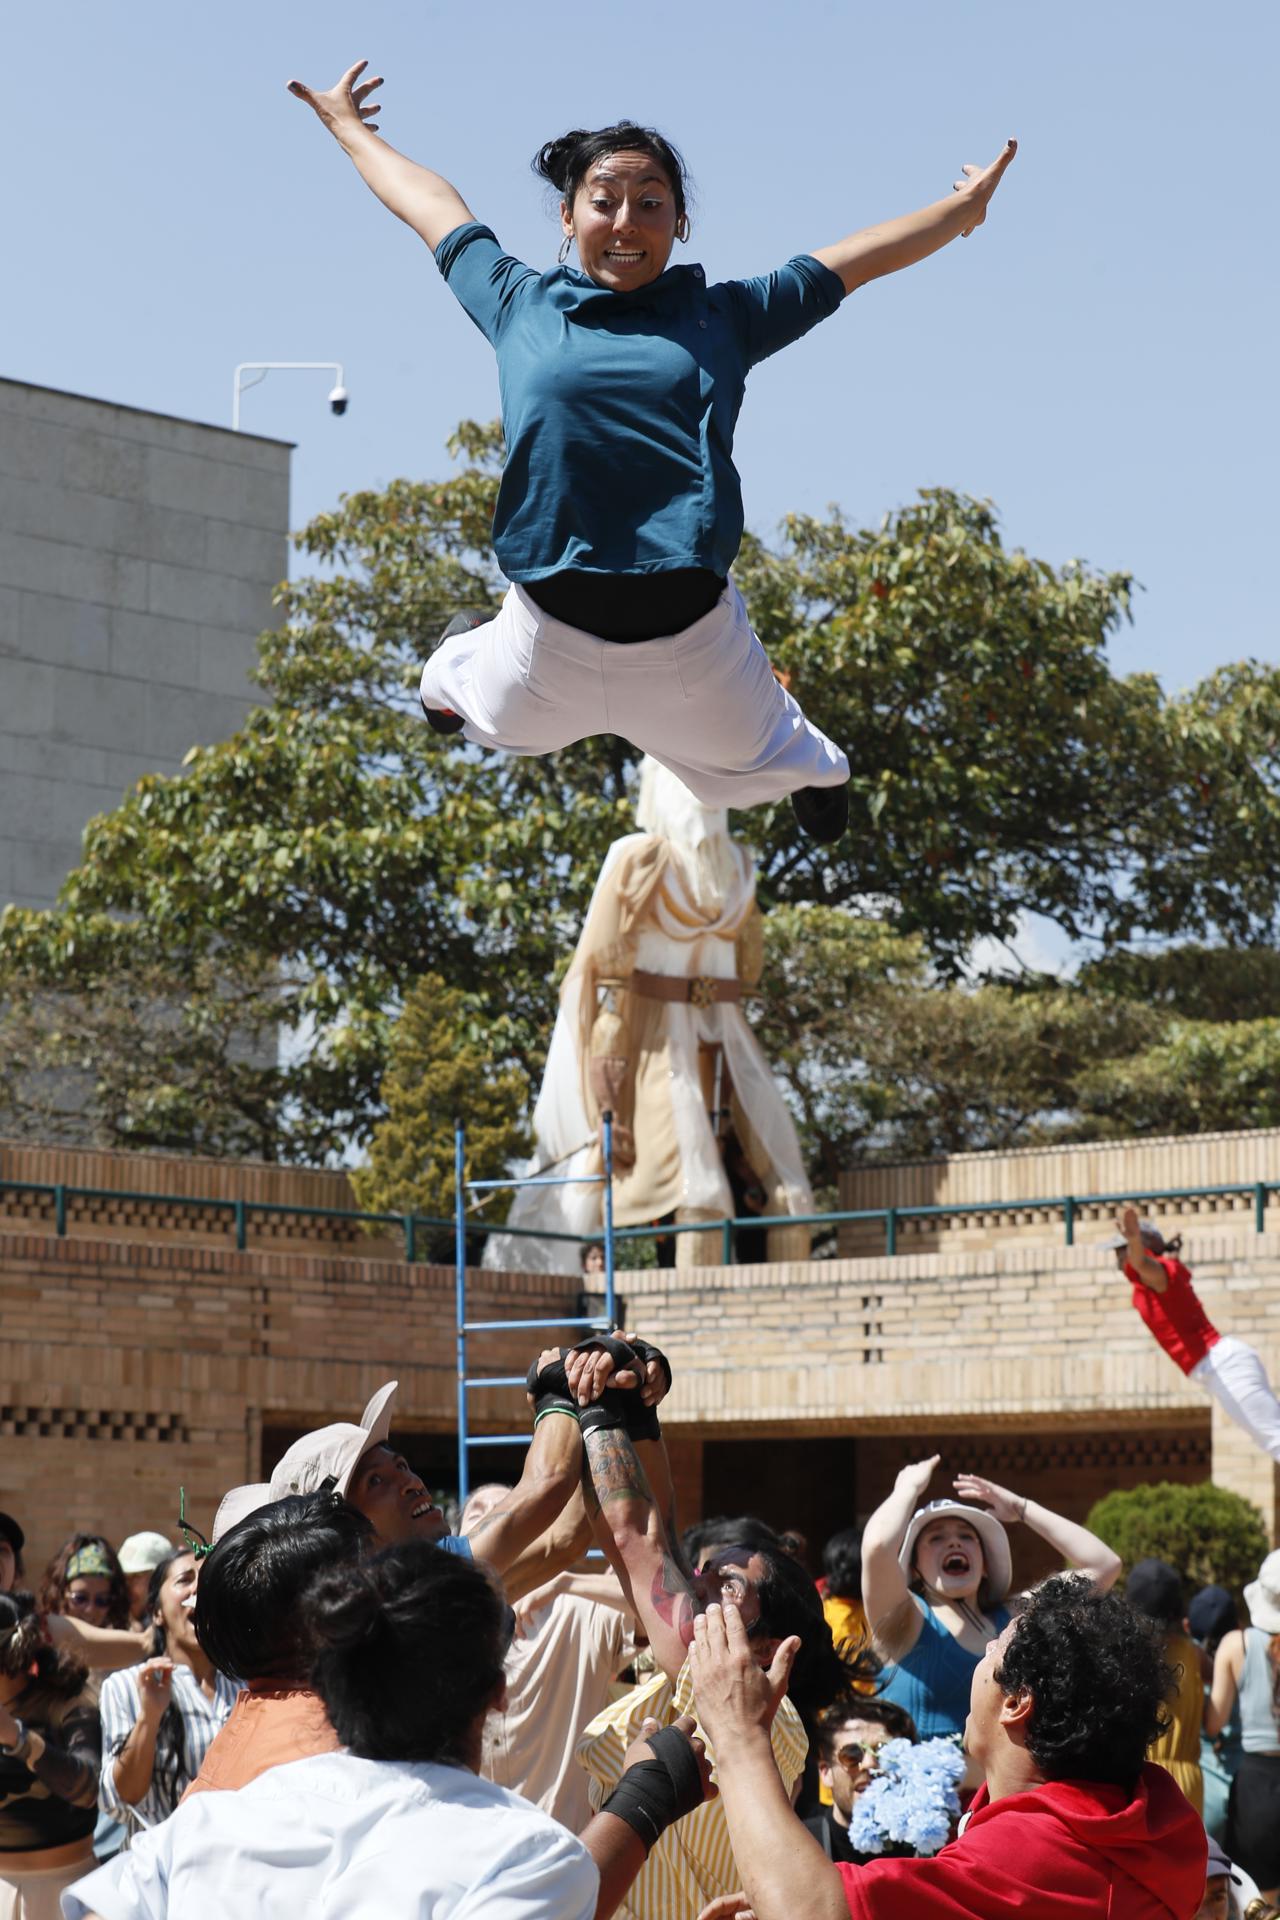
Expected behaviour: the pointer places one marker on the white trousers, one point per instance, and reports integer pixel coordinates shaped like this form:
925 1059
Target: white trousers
1234 1374
704 702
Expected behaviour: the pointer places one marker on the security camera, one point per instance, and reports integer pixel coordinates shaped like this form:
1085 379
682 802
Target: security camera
338 399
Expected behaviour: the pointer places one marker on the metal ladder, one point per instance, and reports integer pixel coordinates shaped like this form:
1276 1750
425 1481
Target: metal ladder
600 1322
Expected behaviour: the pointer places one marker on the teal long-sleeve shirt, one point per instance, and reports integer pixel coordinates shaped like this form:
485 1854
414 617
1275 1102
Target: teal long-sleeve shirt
619 409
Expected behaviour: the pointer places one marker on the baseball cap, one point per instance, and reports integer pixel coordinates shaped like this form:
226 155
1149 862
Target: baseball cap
143 1552
330 1455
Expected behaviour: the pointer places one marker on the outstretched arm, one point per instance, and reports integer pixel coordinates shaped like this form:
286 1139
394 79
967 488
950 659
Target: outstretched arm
892 1616
1149 1271
424 200
1076 1544
893 244
549 1481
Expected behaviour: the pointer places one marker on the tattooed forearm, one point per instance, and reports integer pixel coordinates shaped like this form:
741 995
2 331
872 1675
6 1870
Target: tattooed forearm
616 1473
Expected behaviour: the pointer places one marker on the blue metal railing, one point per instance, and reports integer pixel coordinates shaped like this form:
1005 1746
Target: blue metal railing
468 1383
243 1212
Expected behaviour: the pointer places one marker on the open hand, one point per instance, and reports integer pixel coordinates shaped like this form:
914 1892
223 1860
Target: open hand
343 105
1007 1507
734 1696
1128 1223
980 183
914 1479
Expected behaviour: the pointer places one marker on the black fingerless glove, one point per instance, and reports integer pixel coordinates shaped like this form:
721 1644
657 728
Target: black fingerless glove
654 1793
642 1421
550 1389
610 1410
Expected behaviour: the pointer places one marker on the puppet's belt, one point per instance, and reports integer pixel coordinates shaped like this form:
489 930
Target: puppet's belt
693 989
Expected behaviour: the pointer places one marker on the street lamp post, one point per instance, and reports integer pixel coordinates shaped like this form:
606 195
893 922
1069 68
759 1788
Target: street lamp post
337 399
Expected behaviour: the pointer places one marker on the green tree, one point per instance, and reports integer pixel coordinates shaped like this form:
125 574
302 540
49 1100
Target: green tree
1209 1534
438 1073
334 848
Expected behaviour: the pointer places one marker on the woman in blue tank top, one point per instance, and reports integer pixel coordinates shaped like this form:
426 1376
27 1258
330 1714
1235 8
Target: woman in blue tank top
620 511
934 1579
1247 1667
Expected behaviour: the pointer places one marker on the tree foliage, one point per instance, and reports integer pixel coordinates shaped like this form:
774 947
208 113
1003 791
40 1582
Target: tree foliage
334 849
1212 1536
437 1075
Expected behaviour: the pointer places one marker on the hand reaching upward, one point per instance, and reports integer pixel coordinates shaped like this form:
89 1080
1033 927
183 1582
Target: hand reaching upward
980 183
345 105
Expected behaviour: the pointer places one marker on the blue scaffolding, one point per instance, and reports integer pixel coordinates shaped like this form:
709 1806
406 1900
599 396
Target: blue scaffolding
597 1323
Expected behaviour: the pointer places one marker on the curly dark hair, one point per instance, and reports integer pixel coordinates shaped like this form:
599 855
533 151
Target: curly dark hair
53 1587
26 1654
1098 1679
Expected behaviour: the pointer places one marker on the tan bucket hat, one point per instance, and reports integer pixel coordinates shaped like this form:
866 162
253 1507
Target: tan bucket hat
329 1456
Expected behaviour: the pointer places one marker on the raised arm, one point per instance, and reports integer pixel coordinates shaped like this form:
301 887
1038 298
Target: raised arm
634 1535
1080 1548
1149 1271
534 1506
892 1616
874 251
424 200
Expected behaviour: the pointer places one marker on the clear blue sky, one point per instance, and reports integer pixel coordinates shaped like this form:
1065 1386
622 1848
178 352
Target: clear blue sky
1099 360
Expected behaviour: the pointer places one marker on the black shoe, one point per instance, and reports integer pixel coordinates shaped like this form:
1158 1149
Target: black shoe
443 719
822 812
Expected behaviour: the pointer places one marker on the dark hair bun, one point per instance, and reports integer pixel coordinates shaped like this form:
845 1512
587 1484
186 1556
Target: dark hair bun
554 161
344 1610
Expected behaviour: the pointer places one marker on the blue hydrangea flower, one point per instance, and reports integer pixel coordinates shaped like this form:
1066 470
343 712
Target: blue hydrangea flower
912 1800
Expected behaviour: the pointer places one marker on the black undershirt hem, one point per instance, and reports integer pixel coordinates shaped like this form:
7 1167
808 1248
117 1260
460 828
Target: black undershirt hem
628 606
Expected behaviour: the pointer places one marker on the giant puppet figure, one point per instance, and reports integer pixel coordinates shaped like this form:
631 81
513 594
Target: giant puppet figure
651 1027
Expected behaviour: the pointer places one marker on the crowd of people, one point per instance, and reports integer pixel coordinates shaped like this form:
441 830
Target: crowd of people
342 1703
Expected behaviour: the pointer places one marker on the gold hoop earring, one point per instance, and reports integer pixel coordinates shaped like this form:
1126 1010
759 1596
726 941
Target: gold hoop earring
565 245
683 229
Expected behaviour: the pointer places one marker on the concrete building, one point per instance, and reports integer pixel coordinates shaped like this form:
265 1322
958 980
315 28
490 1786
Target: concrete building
138 555
140 1350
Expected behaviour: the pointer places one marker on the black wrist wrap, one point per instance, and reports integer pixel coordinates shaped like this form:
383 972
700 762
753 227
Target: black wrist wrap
610 1410
642 1421
550 1388
654 1793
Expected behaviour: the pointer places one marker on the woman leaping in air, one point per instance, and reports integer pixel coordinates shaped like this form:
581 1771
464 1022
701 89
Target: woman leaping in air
620 510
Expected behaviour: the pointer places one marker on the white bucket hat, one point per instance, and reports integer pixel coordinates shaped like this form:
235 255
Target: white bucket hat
238 1505
1262 1596
1149 1231
329 1456
997 1568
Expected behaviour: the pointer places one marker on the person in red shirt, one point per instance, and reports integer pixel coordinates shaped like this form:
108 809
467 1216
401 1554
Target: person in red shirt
1070 1820
1224 1366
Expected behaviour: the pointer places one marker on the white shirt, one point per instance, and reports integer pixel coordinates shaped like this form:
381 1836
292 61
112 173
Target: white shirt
334 1837
558 1677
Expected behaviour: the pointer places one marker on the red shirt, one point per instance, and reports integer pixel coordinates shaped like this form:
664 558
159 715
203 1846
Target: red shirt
1068 1850
1175 1316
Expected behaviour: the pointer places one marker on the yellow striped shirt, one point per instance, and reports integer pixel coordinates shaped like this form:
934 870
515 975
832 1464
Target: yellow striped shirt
693 1862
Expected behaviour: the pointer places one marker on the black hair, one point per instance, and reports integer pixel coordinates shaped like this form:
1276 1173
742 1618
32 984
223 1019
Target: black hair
725 1531
842 1563
247 1618
567 161
790 1604
409 1651
53 1587
24 1651
895 1720
1098 1679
